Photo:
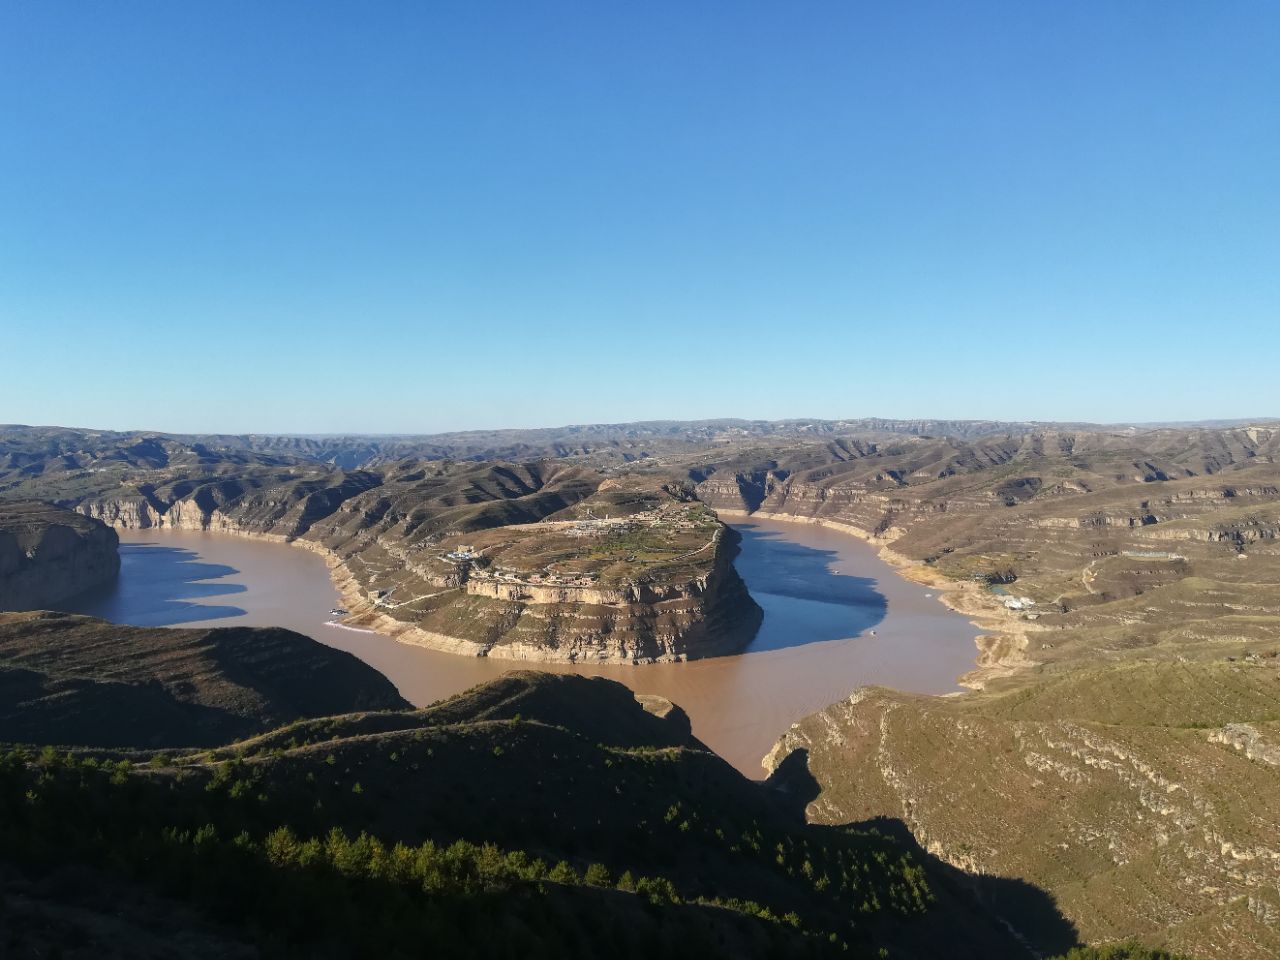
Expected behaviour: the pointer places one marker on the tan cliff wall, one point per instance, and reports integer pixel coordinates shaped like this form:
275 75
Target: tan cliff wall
123 513
709 615
862 512
137 513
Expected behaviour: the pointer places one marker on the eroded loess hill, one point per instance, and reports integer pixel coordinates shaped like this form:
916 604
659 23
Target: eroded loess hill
1144 796
142 471
48 554
71 454
1159 544
568 566
1123 753
67 679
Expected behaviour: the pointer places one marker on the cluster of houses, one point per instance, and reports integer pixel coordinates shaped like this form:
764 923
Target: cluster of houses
598 528
537 579
468 554
592 526
589 526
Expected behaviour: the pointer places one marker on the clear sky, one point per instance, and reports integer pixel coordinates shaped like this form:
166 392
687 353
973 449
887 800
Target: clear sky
411 217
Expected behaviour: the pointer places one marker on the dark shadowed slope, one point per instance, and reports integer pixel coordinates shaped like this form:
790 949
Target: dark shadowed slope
67 679
536 815
48 554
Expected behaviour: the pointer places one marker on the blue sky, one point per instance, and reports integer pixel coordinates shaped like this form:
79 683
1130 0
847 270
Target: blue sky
409 217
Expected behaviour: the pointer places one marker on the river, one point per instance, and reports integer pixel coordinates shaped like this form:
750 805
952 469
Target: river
836 617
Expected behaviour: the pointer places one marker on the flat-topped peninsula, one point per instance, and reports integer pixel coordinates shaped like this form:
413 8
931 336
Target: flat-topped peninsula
545 561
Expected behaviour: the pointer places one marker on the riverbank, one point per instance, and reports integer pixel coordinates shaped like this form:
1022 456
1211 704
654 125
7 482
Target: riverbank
710 616
836 618
1003 642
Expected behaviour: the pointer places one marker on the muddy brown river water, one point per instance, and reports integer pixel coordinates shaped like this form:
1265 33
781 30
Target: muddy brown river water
836 618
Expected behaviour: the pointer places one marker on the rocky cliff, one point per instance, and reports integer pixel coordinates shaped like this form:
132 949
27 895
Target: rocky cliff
48 554
710 614
550 580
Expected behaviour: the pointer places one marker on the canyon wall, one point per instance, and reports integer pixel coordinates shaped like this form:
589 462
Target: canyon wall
378 532
709 615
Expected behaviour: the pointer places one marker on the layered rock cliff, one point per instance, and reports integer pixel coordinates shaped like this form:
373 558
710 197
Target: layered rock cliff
551 581
48 555
710 614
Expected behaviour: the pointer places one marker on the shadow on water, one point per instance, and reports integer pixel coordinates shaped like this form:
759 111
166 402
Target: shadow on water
804 599
158 587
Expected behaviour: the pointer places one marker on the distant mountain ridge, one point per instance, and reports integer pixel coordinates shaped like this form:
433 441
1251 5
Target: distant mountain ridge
619 441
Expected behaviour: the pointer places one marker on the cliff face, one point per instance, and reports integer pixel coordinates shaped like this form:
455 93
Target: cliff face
708 615
48 555
551 581
285 506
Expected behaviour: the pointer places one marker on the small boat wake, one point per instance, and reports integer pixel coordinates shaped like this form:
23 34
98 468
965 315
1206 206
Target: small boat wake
344 626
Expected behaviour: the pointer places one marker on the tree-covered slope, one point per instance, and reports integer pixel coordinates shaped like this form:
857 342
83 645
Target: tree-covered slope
535 816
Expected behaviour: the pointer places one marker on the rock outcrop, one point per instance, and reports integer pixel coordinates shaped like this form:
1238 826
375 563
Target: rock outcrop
48 555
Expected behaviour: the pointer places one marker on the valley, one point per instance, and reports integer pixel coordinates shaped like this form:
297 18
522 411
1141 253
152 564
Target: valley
1114 748
813 645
